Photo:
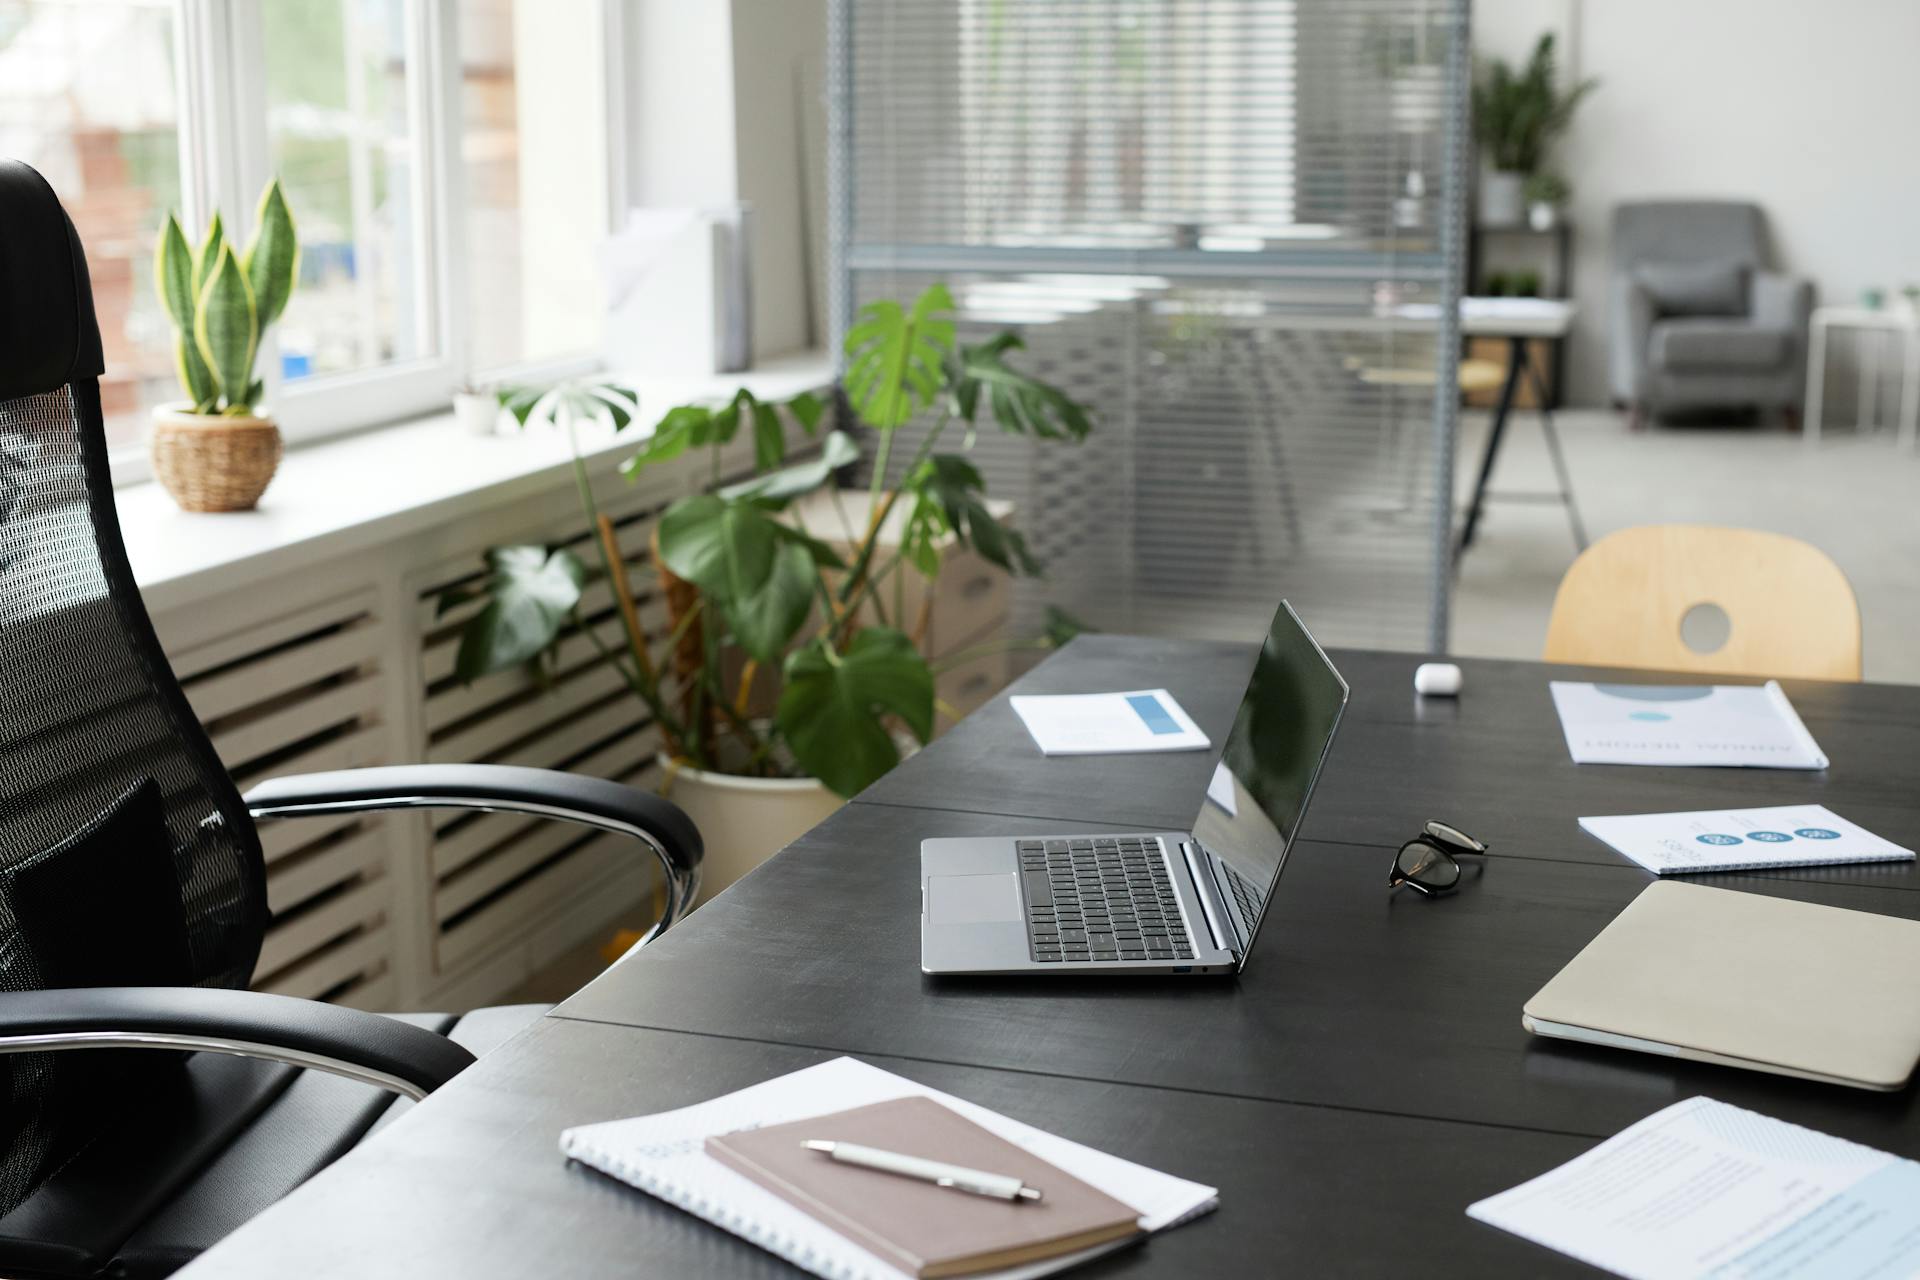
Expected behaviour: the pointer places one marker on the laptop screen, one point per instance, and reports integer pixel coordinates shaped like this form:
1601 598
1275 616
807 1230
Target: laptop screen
1258 793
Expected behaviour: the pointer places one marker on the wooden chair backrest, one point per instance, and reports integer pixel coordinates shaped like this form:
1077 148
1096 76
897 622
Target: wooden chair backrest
1791 609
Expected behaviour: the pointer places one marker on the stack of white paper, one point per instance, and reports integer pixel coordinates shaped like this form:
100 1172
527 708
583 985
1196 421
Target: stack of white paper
1787 835
1087 724
665 1155
1705 1189
1752 725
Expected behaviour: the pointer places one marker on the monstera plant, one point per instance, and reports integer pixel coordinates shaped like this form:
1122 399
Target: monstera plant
755 602
218 450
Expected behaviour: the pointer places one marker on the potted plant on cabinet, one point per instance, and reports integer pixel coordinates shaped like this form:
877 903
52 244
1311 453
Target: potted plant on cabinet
1547 193
1517 116
217 450
780 678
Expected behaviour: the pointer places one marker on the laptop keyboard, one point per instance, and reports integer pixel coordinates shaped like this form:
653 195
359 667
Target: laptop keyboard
1245 895
1101 898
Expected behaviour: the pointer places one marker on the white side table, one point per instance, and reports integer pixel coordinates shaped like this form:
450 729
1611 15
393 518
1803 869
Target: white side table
1901 326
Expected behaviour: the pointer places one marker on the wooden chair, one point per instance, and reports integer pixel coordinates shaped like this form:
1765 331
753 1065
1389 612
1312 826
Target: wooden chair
1791 610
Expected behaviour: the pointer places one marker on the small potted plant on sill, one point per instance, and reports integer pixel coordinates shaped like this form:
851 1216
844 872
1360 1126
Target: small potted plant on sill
218 449
1547 194
475 409
780 678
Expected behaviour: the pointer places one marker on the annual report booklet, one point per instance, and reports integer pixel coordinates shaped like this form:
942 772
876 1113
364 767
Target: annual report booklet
668 1156
1787 835
1704 1189
1089 724
1724 724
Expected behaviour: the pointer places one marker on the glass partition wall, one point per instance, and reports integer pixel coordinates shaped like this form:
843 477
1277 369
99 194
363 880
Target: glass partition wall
1231 226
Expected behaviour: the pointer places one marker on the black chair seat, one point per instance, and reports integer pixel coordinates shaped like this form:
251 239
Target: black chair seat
221 1143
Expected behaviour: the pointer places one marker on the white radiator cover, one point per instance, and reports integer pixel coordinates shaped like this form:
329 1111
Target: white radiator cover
340 662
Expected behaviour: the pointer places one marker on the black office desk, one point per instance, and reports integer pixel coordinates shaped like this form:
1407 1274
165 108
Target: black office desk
1350 1094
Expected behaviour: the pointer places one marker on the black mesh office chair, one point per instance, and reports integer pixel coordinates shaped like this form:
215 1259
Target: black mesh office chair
132 888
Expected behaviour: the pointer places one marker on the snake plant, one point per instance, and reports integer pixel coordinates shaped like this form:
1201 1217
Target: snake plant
221 300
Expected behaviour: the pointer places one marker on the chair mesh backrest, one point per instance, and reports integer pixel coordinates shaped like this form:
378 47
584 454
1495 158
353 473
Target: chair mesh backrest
91 706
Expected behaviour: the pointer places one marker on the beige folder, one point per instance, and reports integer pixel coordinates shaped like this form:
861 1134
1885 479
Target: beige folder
1746 980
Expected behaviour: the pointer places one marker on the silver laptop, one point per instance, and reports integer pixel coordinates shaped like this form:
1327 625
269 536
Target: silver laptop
1149 901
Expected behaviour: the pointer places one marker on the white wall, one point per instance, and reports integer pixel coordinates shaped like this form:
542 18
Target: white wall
725 102
1809 109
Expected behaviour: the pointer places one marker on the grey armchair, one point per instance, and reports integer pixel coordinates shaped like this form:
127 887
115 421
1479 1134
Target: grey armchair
1697 320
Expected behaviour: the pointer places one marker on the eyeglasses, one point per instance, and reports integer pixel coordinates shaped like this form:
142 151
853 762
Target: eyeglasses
1427 862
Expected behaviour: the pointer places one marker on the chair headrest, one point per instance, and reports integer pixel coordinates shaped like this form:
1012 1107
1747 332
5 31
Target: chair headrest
48 334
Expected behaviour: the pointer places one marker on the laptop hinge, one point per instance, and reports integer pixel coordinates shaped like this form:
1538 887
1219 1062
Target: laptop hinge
1219 924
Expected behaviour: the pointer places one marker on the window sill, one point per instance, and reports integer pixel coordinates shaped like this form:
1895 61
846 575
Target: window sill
353 494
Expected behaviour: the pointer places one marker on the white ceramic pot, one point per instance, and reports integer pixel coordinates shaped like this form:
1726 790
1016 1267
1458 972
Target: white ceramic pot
476 412
1502 198
744 821
1542 216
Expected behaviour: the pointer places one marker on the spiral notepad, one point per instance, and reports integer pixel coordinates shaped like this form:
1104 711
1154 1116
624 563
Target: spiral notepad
664 1156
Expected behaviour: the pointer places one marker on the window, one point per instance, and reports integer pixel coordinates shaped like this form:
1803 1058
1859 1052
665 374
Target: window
337 81
88 97
536 201
448 163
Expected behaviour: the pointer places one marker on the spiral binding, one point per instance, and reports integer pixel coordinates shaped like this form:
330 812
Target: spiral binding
794 1251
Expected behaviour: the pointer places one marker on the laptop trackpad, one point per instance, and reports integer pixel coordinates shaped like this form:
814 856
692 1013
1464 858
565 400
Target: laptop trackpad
973 899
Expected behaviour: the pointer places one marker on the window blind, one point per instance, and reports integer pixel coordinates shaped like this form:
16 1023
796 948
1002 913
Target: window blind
1232 227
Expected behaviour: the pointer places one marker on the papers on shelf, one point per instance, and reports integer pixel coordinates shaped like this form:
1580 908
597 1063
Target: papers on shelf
1788 835
1751 725
1705 1189
1085 724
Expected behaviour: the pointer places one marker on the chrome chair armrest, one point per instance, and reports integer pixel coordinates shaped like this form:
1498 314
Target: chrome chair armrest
367 1047
654 821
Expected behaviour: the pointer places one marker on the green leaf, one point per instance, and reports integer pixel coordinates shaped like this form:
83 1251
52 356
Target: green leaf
897 359
807 409
769 441
273 255
1021 404
821 553
208 255
195 378
226 327
1061 627
621 403
519 401
724 547
725 421
765 623
831 710
173 275
530 595
950 495
837 451
681 428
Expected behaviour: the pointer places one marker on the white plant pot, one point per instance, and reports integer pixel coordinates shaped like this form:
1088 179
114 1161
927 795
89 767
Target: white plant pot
476 413
1502 198
744 821
1542 216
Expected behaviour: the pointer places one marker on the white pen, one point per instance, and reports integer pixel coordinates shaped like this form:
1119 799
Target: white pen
952 1176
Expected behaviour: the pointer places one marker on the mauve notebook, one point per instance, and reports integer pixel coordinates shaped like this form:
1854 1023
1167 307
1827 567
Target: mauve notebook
924 1229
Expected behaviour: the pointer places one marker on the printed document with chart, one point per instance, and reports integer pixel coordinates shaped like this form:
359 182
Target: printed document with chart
1724 724
1703 1189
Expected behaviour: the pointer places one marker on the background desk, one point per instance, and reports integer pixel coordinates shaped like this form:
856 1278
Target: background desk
1350 1094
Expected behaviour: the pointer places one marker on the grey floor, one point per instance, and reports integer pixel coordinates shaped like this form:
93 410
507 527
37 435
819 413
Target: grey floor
1854 498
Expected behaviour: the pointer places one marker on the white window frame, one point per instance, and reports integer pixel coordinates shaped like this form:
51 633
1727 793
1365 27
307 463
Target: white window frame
224 163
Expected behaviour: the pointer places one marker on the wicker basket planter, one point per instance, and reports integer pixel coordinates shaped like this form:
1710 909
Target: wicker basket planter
213 463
